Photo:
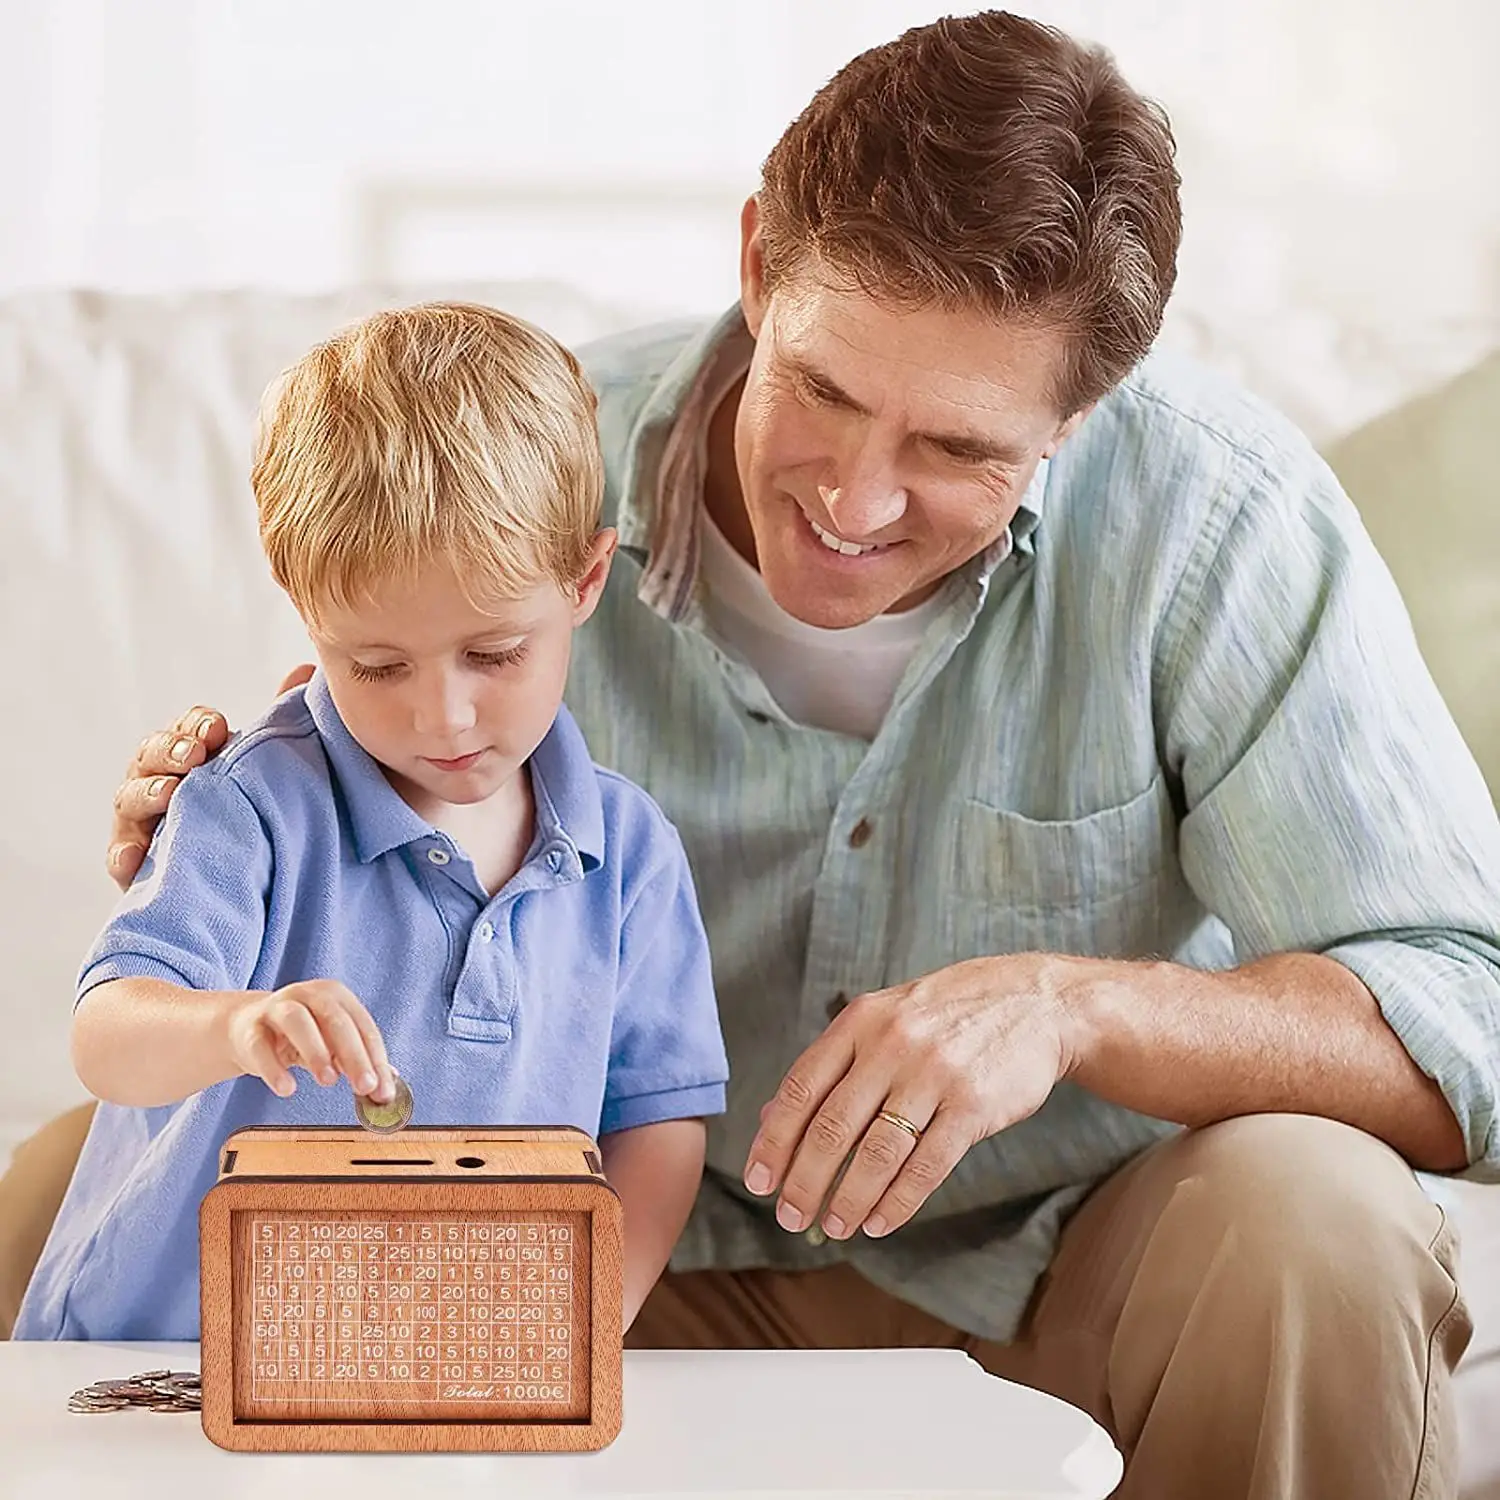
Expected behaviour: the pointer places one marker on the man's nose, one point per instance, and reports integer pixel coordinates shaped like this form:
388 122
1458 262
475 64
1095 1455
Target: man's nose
867 495
862 507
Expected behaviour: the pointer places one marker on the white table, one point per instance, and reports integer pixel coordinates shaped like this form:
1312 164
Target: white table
904 1422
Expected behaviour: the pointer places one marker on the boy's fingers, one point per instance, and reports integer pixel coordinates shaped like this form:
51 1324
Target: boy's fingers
266 1065
300 1027
375 1046
350 1051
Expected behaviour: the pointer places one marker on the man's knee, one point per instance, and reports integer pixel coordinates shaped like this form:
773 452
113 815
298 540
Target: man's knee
1292 1276
1300 1182
30 1194
1311 1211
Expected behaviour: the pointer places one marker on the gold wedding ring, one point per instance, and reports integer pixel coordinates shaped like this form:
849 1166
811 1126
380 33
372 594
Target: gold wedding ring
900 1122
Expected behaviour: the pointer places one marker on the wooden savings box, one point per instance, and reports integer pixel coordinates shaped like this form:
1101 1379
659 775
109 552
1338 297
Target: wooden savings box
433 1290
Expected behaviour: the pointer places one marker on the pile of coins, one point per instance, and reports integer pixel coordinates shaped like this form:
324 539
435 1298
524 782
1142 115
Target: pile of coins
154 1390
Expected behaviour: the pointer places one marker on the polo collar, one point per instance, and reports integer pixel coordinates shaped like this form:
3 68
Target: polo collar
569 806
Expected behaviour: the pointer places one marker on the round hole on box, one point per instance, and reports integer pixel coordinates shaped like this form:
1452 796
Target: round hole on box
470 1161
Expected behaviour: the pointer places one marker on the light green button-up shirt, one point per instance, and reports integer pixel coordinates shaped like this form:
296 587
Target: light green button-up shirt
1179 712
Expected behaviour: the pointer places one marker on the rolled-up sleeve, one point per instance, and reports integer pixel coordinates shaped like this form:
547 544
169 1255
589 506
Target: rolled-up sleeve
667 1059
1331 804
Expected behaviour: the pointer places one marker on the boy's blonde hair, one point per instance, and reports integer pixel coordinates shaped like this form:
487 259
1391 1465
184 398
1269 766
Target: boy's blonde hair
444 432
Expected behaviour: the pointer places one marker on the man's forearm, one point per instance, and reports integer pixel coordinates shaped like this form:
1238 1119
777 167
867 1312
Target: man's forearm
1294 1033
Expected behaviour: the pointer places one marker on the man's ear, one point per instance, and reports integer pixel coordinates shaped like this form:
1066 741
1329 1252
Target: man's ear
1067 430
590 587
752 267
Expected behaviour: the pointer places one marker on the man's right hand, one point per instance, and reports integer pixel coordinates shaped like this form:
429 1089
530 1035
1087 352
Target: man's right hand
158 765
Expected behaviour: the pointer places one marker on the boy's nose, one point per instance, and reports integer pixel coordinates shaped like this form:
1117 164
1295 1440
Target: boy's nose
445 710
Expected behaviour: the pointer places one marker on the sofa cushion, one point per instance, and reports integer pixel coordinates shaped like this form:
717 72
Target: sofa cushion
1426 479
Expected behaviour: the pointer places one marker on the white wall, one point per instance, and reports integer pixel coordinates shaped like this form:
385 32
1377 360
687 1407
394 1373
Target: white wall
1339 155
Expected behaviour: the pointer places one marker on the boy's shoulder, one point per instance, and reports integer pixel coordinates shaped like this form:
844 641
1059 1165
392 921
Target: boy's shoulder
274 758
635 836
642 847
632 815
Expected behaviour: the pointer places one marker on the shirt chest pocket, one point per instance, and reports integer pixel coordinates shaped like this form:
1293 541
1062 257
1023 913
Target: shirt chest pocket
1105 884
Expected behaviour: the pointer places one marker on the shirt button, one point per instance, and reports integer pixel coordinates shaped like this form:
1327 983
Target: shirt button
438 856
486 932
859 835
837 1004
554 860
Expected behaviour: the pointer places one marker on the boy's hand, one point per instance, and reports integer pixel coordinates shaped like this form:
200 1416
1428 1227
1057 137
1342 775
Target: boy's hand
162 761
316 1024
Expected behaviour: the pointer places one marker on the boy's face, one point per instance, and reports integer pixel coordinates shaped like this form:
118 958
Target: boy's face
449 698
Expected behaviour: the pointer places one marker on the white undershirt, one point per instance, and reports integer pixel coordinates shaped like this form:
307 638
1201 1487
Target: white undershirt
842 680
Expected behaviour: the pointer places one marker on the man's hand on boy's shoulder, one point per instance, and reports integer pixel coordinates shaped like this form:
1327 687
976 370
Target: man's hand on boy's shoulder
159 763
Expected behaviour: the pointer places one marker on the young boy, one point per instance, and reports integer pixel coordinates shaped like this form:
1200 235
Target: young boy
411 864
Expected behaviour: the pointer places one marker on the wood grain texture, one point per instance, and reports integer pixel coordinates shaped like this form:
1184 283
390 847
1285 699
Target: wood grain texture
485 1255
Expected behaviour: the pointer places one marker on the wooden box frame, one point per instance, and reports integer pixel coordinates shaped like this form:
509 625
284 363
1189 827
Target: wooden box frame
297 1170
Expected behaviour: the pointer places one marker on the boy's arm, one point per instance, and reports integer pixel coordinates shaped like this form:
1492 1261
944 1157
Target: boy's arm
667 1068
164 1006
656 1170
147 1042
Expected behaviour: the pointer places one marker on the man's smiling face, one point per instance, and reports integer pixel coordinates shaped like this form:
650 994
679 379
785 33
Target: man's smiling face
880 448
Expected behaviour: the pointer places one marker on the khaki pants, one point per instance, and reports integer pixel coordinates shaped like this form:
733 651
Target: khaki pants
1262 1308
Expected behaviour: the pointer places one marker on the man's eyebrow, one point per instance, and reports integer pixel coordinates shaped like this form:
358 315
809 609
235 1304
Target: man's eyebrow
966 443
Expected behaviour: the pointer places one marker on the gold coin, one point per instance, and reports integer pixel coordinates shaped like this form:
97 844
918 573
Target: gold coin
385 1119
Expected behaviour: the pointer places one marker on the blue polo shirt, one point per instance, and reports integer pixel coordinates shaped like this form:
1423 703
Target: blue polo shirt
579 994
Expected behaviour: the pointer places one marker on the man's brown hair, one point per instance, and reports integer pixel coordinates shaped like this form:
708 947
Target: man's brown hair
987 162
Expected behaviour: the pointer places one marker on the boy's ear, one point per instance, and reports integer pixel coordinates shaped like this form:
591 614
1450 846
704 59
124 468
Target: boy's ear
590 587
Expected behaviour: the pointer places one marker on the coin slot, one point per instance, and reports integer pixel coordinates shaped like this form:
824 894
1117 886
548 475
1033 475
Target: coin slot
390 1161
469 1161
594 1164
230 1157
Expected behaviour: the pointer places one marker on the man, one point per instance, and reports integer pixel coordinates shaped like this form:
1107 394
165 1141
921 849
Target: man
1057 769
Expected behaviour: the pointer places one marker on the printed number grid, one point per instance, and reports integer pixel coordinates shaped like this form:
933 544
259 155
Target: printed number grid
420 1310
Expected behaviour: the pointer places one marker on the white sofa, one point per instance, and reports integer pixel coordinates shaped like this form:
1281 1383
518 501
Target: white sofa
132 585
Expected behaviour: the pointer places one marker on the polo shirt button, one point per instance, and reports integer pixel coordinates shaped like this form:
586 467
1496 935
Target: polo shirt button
859 835
554 860
438 856
486 932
